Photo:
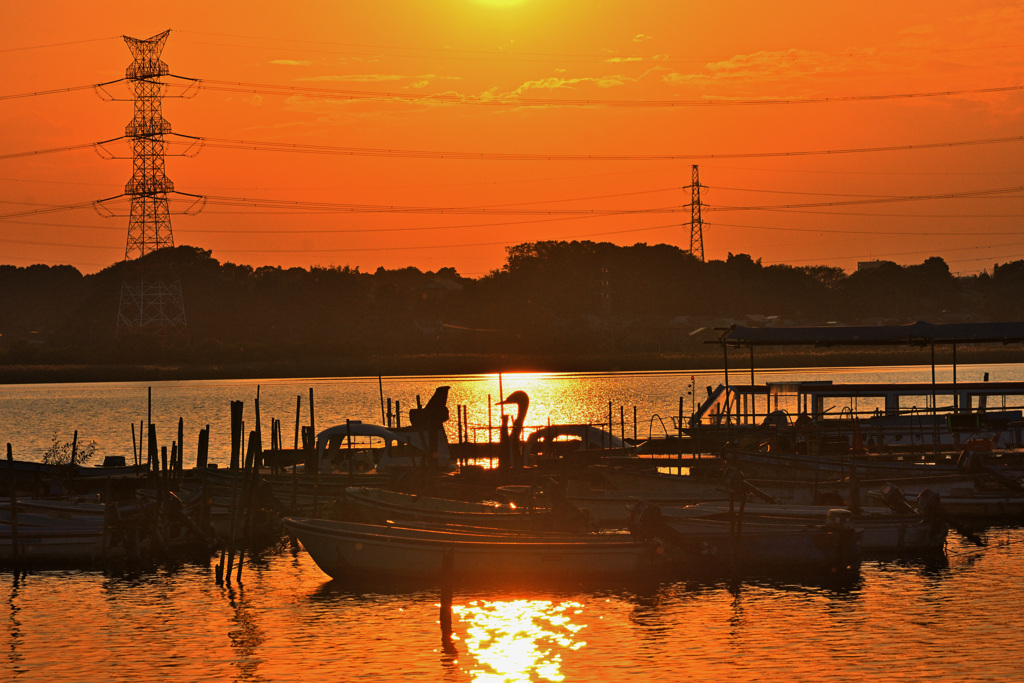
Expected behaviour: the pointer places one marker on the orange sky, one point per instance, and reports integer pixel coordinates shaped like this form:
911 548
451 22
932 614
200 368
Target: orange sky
628 57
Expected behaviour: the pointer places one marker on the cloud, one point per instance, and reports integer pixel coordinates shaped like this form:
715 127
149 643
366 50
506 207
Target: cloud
355 78
558 83
619 60
291 62
641 38
775 65
418 81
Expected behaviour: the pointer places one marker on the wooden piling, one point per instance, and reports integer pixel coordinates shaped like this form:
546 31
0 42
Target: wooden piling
135 449
203 448
12 483
298 416
236 433
312 417
181 448
152 455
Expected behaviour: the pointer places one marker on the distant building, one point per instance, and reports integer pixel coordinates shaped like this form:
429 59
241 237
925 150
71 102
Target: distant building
872 265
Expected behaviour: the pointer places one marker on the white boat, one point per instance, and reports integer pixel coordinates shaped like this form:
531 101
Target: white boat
344 549
883 531
354 447
831 547
381 506
50 544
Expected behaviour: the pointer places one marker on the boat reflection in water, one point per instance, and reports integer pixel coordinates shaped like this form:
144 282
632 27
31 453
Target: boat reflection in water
519 640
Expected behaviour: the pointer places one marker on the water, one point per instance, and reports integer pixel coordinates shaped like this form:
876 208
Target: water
955 618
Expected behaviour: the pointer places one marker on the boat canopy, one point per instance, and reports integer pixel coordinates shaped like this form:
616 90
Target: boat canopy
914 334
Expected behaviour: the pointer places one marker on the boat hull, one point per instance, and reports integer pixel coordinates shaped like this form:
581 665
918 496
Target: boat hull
344 549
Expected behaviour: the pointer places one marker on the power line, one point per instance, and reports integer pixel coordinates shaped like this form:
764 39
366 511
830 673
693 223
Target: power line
456 98
301 148
48 45
879 200
55 91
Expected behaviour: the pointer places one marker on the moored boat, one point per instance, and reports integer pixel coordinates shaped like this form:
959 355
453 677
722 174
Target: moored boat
883 531
381 506
343 549
831 547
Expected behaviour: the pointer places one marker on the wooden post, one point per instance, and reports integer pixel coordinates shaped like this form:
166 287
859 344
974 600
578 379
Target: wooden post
247 500
236 433
312 416
203 448
611 427
458 412
622 423
15 549
634 424
679 435
258 458
135 449
298 414
348 446
181 446
74 448
153 454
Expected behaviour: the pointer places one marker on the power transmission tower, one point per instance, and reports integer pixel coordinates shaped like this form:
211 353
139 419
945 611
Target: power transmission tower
152 304
696 224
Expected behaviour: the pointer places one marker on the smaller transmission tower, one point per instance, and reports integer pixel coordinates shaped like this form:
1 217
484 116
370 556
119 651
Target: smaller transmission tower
152 303
696 224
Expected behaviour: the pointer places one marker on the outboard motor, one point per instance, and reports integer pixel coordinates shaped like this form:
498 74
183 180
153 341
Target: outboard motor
895 500
929 505
839 518
644 521
435 413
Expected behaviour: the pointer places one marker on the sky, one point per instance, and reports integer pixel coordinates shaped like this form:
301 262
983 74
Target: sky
436 133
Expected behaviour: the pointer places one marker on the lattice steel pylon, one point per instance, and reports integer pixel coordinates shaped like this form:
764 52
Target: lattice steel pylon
696 224
152 304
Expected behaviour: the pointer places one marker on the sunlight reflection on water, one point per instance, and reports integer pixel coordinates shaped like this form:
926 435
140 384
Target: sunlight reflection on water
519 640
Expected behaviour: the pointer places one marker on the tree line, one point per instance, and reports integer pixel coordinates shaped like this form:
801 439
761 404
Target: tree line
549 298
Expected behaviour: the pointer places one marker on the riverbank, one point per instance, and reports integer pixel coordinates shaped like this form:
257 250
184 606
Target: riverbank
441 365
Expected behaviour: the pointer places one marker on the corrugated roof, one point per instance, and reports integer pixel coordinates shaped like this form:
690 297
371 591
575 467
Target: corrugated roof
919 333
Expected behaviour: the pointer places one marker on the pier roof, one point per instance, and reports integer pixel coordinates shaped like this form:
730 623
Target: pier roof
914 334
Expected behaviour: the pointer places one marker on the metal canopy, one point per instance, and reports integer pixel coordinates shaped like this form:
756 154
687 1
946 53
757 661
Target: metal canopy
913 334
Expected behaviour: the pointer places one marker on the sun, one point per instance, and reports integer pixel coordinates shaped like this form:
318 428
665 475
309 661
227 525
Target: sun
500 3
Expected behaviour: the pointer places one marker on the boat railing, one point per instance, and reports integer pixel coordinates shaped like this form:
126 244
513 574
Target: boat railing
650 426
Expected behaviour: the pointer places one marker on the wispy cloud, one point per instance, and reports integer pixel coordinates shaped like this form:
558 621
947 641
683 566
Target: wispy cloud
353 78
291 62
641 38
619 60
417 81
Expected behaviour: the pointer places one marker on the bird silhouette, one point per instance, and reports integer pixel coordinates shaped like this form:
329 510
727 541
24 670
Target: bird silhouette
512 441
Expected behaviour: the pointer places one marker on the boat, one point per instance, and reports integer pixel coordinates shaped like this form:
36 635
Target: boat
354 447
573 445
349 549
834 546
884 532
880 417
40 543
382 506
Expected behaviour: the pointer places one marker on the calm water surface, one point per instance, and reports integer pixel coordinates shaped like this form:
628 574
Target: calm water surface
957 618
